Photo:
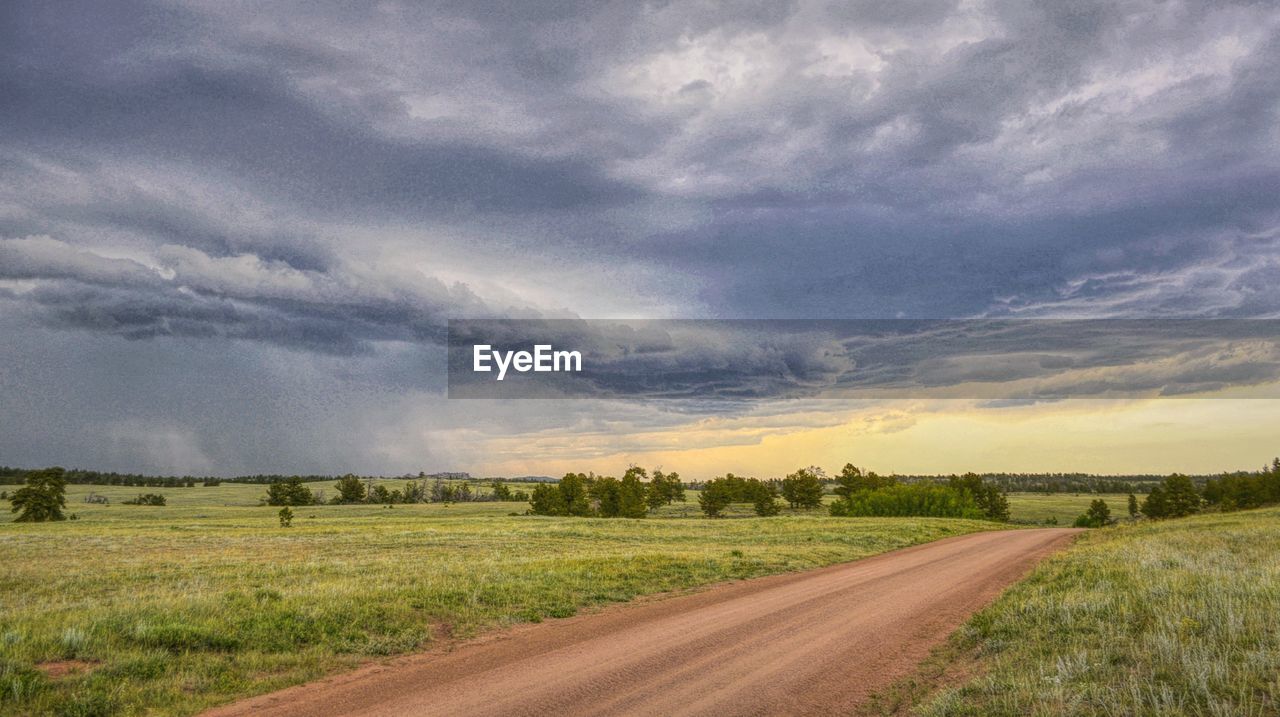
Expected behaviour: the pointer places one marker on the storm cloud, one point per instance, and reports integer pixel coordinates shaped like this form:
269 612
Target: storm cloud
328 184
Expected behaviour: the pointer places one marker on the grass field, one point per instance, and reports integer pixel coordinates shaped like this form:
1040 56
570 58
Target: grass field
1176 617
1063 507
166 610
195 503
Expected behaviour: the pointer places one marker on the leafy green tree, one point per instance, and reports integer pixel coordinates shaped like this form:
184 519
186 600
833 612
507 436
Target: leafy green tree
764 498
852 480
803 489
501 491
1133 506
290 491
573 491
1175 497
606 491
547 500
993 503
350 490
631 497
1184 499
664 489
716 495
286 517
1156 504
42 498
907 500
380 495
414 492
1097 516
462 493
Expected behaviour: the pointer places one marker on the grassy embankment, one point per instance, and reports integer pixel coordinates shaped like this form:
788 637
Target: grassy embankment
1175 617
171 609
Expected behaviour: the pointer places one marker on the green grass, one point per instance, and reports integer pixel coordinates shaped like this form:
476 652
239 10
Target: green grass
1175 617
1039 508
176 608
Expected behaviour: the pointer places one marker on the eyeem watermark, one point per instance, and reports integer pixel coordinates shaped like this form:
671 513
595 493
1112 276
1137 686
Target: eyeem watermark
1019 360
543 359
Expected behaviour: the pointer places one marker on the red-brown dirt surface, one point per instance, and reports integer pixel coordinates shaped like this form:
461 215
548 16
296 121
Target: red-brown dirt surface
807 643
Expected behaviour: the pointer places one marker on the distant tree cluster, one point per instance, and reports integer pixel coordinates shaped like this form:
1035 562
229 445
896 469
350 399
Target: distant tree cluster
633 495
719 493
83 477
1237 491
909 500
352 489
1178 496
1056 482
862 493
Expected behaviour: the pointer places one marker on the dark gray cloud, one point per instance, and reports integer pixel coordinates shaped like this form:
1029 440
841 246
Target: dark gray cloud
337 180
872 359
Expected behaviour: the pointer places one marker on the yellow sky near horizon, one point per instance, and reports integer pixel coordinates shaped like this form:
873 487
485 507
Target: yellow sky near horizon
930 437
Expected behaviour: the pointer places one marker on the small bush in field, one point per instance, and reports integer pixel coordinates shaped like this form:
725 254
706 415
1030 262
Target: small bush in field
146 499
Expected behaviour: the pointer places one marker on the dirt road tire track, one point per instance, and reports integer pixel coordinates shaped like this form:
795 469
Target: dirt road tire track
817 642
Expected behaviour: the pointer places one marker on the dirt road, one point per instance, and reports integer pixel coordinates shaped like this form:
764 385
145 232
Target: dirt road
805 643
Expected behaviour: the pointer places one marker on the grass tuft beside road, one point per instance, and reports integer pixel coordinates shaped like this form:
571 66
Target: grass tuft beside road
1169 618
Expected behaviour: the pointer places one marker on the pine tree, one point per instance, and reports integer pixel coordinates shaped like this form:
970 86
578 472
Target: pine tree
631 497
42 498
716 495
803 489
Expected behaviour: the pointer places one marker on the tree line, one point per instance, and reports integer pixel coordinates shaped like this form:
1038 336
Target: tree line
41 496
633 495
76 476
352 489
862 493
1058 482
636 495
1178 496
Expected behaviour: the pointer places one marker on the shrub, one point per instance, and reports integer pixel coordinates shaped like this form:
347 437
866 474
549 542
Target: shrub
146 499
286 517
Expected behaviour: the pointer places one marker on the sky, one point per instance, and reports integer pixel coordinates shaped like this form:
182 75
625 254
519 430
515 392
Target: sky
232 235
